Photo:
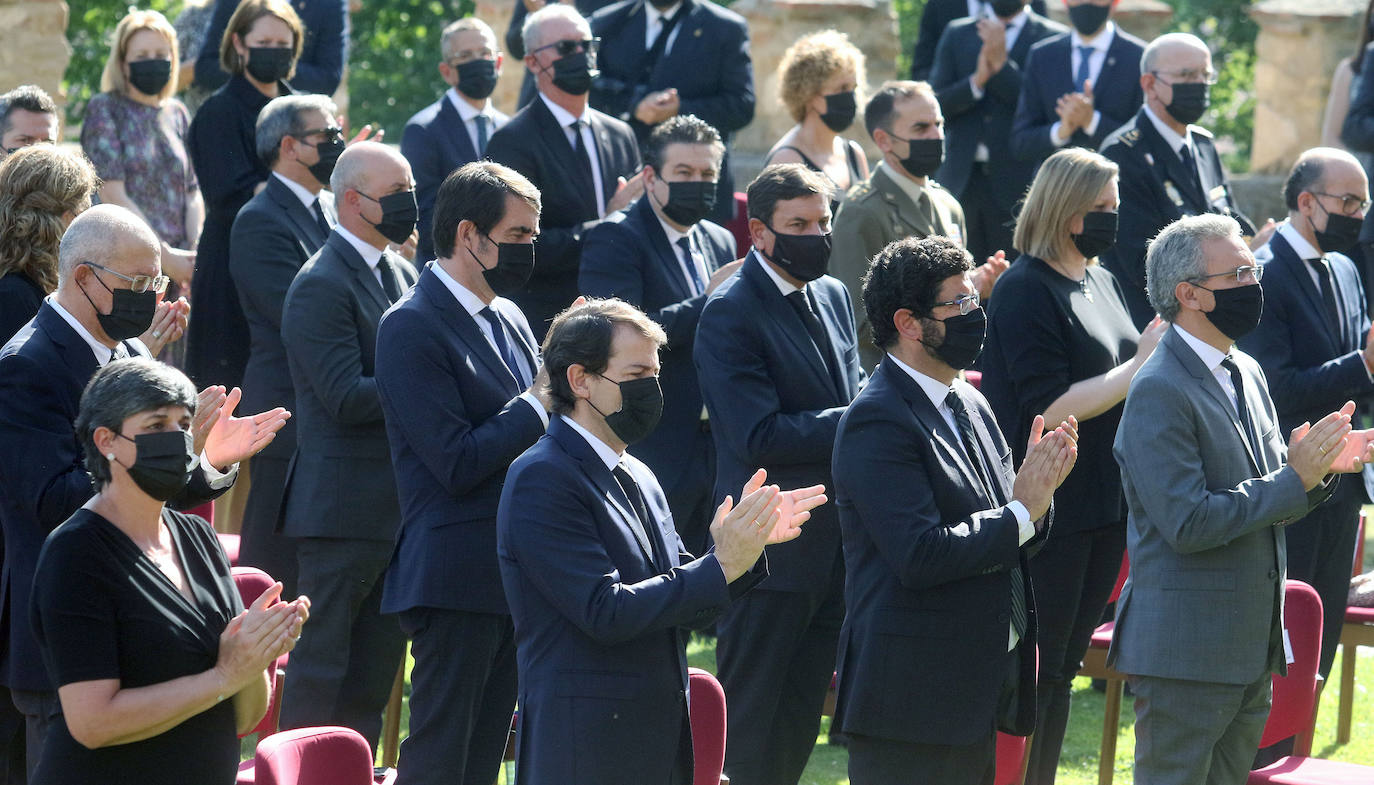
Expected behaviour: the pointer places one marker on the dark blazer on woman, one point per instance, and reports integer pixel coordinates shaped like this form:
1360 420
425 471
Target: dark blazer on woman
20 298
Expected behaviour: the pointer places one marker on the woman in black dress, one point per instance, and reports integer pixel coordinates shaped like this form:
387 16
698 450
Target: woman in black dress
1060 342
158 666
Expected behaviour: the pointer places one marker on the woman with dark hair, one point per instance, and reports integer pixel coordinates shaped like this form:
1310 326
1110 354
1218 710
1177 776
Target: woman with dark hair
158 668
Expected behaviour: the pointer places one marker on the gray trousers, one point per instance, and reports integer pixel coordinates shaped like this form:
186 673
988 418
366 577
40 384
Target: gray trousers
1196 732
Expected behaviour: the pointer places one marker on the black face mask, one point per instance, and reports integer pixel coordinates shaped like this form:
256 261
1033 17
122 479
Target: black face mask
1237 310
1088 18
163 462
805 257
963 340
923 156
689 202
1341 232
1007 8
329 155
399 214
1099 232
131 313
150 76
514 264
1189 102
477 78
574 74
641 405
840 109
270 64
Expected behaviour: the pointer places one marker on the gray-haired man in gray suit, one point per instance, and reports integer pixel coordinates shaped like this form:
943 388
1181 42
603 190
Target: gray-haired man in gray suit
1199 623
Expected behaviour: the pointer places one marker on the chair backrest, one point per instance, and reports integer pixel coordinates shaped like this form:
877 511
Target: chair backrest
314 756
706 705
1295 694
251 583
1011 758
739 225
231 544
1121 577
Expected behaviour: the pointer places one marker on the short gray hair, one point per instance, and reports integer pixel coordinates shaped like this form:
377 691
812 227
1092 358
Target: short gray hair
530 33
466 23
1176 255
1155 47
119 391
283 117
99 233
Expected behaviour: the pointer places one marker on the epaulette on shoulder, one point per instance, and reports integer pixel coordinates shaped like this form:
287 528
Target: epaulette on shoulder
1200 131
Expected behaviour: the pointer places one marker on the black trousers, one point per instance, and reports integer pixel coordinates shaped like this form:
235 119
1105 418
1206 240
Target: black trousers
342 670
1321 552
260 544
462 696
13 769
989 223
41 710
776 657
875 761
1073 576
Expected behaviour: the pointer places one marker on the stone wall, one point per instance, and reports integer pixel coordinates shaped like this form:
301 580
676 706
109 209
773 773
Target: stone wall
36 49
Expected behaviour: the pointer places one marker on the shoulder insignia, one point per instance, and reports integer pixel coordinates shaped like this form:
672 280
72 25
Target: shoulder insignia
1200 131
1130 137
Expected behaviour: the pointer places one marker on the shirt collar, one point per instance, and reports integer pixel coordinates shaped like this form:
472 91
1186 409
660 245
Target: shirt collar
1205 351
934 389
308 199
783 286
673 234
1100 43
914 190
102 352
1301 247
370 254
1171 137
465 110
652 14
603 451
1018 21
563 116
470 302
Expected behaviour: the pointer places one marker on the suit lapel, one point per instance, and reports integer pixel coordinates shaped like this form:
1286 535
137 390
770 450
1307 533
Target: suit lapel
1061 80
943 438
777 309
456 131
75 351
603 157
1030 31
1117 60
362 273
907 211
826 311
1169 168
605 482
991 455
1297 269
672 61
1209 168
299 214
1194 366
526 348
465 326
555 140
667 256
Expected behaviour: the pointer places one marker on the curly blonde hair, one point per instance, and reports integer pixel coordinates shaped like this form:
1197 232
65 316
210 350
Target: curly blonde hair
38 185
813 59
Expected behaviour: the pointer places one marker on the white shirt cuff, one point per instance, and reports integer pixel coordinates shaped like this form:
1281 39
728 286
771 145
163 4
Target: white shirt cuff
538 407
215 478
1054 135
1092 126
1025 527
976 90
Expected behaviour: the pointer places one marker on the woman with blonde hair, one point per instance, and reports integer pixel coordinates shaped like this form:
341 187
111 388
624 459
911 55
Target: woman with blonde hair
1061 342
820 81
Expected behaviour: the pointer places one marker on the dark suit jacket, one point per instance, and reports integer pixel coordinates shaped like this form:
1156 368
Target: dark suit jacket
323 52
455 425
1155 192
934 19
273 236
598 616
20 298
773 405
1116 93
986 120
435 142
628 256
339 483
927 558
43 370
534 145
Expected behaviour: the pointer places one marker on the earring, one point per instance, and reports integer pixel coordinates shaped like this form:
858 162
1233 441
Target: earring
109 456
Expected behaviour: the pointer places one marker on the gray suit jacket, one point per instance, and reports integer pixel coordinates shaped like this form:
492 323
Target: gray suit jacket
1204 601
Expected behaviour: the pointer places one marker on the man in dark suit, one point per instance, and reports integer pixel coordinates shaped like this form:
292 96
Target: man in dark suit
937 528
106 254
323 54
577 157
778 361
1169 168
662 58
598 581
1079 86
515 42
458 373
340 499
977 76
936 17
661 256
1316 349
273 235
455 129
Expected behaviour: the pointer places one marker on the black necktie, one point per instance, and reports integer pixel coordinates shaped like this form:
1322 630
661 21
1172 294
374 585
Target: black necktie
1242 411
641 521
660 45
389 283
814 328
1333 314
584 159
319 216
698 285
501 338
1019 616
1190 166
481 134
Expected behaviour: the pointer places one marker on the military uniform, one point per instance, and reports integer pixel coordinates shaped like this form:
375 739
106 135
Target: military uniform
1156 190
874 213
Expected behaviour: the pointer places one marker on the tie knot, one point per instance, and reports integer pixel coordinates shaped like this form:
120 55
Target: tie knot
576 126
685 243
1086 51
954 402
482 119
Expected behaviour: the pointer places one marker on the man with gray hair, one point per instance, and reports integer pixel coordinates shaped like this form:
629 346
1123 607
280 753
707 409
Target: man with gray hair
1210 485
284 224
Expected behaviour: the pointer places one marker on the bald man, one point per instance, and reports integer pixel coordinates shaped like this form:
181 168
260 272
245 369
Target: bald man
340 499
109 284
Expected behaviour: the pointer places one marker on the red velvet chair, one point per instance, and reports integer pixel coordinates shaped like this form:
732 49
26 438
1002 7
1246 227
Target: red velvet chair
316 756
1357 631
739 226
706 705
1095 667
1011 759
230 544
251 583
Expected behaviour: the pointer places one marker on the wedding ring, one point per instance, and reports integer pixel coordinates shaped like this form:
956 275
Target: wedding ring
758 523
157 333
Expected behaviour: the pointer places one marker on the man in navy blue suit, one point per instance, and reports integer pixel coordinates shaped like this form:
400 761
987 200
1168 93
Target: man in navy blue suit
459 375
324 52
661 256
1316 349
455 129
977 76
599 584
778 360
935 17
1079 86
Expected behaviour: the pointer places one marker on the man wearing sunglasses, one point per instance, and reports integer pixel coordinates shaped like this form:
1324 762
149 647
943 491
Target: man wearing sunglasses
583 162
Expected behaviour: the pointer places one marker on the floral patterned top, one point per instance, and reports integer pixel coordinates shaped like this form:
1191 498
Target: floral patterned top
145 147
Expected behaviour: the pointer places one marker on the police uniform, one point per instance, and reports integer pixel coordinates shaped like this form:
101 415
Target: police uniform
1157 189
876 212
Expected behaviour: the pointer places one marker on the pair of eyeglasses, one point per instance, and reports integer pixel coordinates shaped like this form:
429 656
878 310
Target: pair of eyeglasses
1350 203
565 48
330 134
967 303
1191 75
1246 273
138 283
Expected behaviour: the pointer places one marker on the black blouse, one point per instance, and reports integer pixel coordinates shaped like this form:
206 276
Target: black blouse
103 610
1045 333
20 298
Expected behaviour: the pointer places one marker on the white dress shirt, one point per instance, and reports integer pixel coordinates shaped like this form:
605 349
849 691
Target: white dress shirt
654 20
308 199
603 450
783 286
371 254
685 262
469 117
1211 358
565 120
1172 138
1099 45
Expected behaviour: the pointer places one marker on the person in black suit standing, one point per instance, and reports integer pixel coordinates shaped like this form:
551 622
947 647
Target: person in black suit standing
662 256
977 76
662 58
323 52
938 647
1169 167
1079 86
1317 351
340 499
459 376
515 42
778 360
455 129
272 237
936 17
583 162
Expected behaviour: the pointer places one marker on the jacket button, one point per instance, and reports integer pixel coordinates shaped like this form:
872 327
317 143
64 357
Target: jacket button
1273 575
615 716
